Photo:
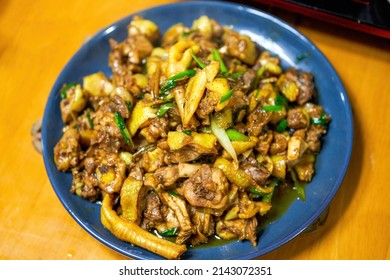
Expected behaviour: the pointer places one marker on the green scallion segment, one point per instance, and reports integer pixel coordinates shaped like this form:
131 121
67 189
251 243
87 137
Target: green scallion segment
129 106
235 135
281 100
90 121
301 57
169 232
65 89
172 193
185 74
320 121
232 76
164 108
227 95
268 196
122 127
185 34
272 108
236 75
200 63
169 84
188 132
257 192
218 58
282 125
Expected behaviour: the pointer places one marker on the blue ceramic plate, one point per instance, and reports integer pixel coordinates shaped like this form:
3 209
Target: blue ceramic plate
269 32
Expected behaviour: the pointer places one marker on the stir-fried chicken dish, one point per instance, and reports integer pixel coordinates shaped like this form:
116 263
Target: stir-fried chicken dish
190 136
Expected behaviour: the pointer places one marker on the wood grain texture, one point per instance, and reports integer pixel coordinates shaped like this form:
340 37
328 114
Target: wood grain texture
37 38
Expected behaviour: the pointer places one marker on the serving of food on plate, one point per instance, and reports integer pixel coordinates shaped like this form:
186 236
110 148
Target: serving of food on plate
195 134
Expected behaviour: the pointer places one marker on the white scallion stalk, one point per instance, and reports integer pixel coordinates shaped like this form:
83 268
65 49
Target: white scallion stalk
224 140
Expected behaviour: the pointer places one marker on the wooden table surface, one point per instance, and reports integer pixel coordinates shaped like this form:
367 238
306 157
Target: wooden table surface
37 38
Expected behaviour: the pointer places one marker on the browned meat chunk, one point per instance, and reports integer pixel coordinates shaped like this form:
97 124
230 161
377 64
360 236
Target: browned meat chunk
240 46
257 171
305 83
152 214
86 185
257 120
208 187
204 226
264 143
182 155
313 137
296 118
67 150
158 128
279 144
119 105
242 228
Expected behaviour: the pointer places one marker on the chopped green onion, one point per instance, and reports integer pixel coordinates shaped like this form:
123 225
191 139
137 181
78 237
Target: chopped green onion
169 232
164 108
235 135
122 127
257 192
218 58
200 63
65 89
227 95
188 132
259 74
172 193
185 34
281 100
282 125
89 119
272 108
129 106
170 84
236 75
301 57
268 196
232 75
185 74
321 120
